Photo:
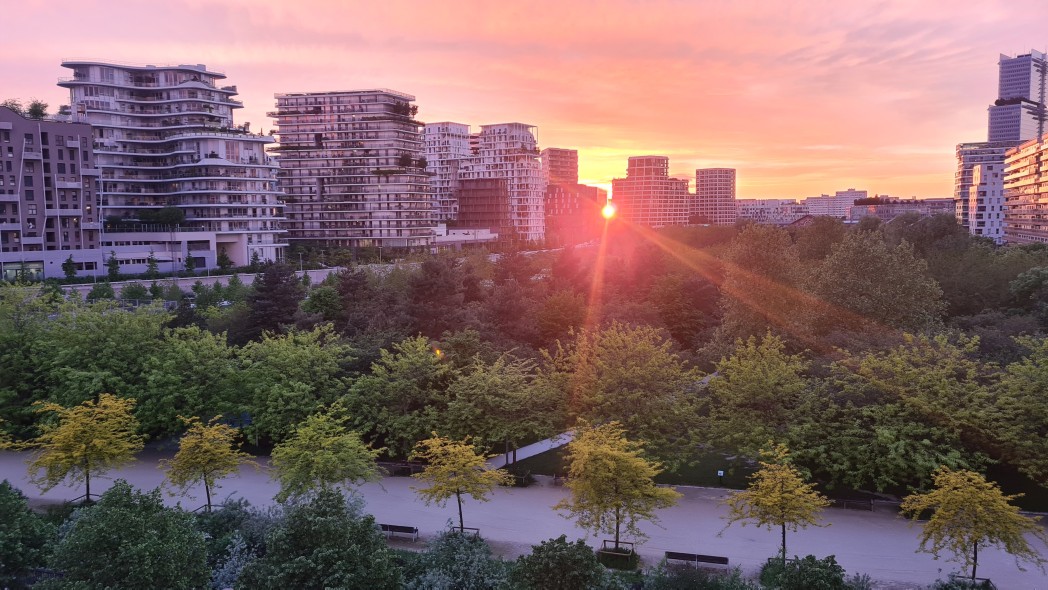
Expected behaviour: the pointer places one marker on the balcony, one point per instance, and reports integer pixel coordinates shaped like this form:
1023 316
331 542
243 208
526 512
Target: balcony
91 225
31 153
90 172
10 226
63 212
30 241
67 185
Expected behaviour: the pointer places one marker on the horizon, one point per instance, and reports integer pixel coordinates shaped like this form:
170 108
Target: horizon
807 100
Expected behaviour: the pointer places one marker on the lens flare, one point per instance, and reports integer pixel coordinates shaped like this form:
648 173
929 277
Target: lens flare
608 211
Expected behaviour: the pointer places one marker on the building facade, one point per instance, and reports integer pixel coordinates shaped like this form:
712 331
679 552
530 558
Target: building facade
970 156
1026 193
560 166
837 205
887 208
447 148
180 181
353 168
648 196
1019 111
714 200
771 211
509 151
572 210
49 201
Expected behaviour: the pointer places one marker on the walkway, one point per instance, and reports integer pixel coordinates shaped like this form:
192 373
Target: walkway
879 543
526 452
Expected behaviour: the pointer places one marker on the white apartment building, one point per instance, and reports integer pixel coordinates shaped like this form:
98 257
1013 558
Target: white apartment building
986 201
509 151
714 198
179 180
771 211
1018 114
648 196
1026 193
447 148
837 205
353 168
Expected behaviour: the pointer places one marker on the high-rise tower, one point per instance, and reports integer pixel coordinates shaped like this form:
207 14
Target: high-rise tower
1019 112
715 195
648 196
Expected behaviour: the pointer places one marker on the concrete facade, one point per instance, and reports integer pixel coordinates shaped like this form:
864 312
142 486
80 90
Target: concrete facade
447 148
714 200
1026 193
648 196
1018 114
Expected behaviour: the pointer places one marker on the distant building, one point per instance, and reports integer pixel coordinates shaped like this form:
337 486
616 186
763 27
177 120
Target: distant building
572 210
1019 112
485 203
887 208
1026 193
648 196
990 157
771 211
180 181
353 167
837 205
714 200
447 148
49 198
560 166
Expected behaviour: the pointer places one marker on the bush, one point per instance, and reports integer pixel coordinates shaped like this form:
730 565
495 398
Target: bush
23 537
688 578
808 573
557 564
961 584
456 561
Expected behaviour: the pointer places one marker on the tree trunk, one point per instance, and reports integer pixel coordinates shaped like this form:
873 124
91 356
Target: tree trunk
617 528
783 544
207 492
462 526
87 484
975 559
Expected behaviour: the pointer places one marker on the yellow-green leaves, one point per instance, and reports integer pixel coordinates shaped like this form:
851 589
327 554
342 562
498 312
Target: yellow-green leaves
612 485
454 468
86 440
206 453
968 513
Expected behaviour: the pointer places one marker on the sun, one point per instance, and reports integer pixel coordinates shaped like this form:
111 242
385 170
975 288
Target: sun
608 211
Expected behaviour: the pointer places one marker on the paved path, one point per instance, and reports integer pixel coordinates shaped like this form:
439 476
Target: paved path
880 543
528 451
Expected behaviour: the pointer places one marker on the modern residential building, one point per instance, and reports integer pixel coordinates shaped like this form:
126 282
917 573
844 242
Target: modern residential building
771 211
352 165
1019 113
485 204
560 166
970 156
49 201
572 210
887 208
837 205
180 181
510 152
648 196
714 200
1026 193
447 147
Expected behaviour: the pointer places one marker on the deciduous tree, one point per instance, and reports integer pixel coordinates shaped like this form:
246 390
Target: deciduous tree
320 454
84 440
206 454
24 537
777 496
969 512
612 485
454 469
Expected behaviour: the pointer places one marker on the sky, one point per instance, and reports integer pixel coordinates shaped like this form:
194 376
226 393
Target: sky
803 97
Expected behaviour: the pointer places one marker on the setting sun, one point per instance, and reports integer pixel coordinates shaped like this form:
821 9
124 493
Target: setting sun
608 211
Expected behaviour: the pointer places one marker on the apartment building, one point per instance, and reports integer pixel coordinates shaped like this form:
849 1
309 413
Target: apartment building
836 205
49 200
572 210
714 200
447 148
1026 193
180 181
1019 113
648 196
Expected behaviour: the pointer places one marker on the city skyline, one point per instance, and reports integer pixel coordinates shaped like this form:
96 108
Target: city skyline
802 101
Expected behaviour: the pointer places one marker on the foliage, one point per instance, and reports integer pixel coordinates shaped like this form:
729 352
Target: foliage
454 468
969 512
112 267
24 536
274 301
85 440
777 497
456 561
37 110
69 268
134 291
130 540
612 485
206 454
103 290
556 564
807 573
665 577
326 542
320 454
1019 419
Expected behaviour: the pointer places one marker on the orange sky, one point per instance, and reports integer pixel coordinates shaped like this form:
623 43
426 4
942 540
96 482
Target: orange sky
802 98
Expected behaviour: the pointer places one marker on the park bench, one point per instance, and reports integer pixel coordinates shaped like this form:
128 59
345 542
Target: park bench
396 529
853 504
696 558
465 530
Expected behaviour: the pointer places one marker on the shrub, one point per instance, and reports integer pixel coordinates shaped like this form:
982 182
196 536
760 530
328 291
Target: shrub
556 564
23 537
456 561
808 573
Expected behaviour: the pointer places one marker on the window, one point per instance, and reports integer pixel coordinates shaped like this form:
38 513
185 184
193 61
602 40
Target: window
27 181
43 138
31 209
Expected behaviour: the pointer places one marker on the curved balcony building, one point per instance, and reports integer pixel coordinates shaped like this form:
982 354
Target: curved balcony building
179 179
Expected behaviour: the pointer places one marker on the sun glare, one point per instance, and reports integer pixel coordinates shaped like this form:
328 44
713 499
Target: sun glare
608 211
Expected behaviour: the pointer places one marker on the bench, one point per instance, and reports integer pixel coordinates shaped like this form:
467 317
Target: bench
396 529
853 504
695 558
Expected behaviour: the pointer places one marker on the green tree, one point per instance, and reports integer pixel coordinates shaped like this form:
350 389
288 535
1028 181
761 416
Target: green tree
556 564
612 485
152 266
326 542
99 291
815 241
453 469
112 267
1019 415
69 268
320 454
224 261
777 496
559 313
134 292
85 440
969 512
206 453
130 540
24 537
14 104
36 110
325 302
275 299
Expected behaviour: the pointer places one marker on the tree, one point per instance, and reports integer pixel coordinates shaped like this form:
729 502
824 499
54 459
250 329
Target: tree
969 512
556 564
86 440
37 109
206 454
14 104
152 266
612 485
327 542
224 261
130 540
320 454
454 468
100 291
134 292
777 497
274 301
24 537
190 264
112 267
69 268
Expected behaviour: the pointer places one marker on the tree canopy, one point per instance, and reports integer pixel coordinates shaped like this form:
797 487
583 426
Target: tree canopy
454 469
